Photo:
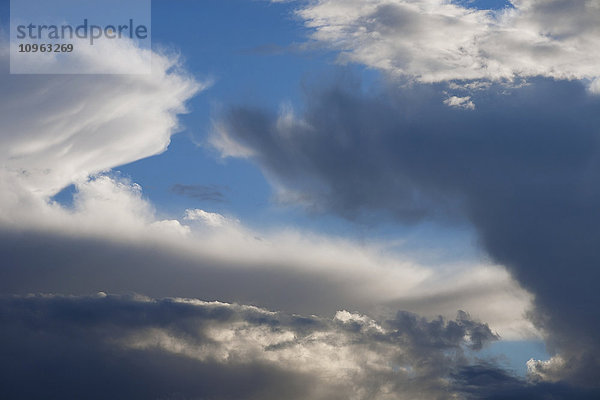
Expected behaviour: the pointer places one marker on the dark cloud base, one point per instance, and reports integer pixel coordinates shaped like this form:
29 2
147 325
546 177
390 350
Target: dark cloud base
489 382
63 348
57 347
44 262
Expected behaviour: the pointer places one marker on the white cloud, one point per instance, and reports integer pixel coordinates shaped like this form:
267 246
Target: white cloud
595 86
60 129
438 40
208 218
104 57
550 370
460 102
227 146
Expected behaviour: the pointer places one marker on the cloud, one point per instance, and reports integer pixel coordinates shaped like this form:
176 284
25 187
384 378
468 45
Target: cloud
460 102
72 130
60 129
80 250
438 40
521 168
486 381
105 345
211 219
200 192
104 57
549 370
113 239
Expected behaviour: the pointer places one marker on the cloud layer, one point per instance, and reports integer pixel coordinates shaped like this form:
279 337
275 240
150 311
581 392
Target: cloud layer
82 251
105 346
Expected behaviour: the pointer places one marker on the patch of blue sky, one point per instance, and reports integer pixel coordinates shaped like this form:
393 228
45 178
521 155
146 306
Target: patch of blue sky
514 355
485 4
4 15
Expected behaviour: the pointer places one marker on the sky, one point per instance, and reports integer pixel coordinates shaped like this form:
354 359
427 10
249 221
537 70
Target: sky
353 199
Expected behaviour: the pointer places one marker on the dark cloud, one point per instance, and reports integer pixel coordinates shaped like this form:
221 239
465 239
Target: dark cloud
200 192
61 348
487 381
140 348
523 167
52 263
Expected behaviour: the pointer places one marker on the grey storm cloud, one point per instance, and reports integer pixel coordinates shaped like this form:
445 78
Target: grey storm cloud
487 381
523 167
132 347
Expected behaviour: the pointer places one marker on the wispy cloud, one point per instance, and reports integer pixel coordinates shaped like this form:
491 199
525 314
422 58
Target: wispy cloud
213 193
59 129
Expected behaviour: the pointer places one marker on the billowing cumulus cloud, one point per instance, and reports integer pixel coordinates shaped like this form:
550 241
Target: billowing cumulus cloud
522 168
105 346
440 40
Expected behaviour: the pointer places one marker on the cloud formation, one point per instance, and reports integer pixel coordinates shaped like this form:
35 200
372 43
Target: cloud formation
112 239
440 40
80 250
58 129
522 168
104 346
